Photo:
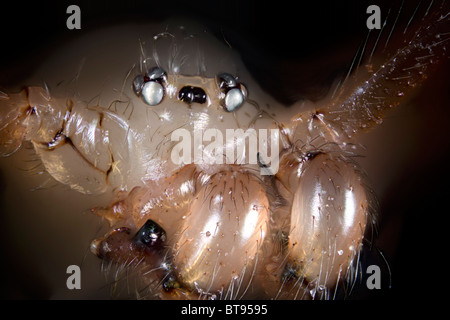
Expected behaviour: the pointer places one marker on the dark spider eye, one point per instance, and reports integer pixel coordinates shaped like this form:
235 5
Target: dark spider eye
235 93
226 81
150 234
150 86
138 83
157 74
190 94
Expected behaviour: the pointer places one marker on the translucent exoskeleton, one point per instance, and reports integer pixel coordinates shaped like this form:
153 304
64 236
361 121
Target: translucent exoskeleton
212 189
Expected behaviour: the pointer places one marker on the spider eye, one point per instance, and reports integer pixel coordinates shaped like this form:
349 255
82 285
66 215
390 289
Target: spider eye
234 92
150 86
157 74
138 83
191 94
152 93
233 99
226 81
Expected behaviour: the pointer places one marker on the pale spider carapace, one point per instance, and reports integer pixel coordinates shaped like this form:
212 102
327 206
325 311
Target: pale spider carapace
198 223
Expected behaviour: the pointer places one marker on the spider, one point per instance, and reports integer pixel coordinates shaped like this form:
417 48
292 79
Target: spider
229 230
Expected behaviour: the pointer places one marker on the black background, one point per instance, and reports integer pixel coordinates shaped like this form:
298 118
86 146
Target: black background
262 31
